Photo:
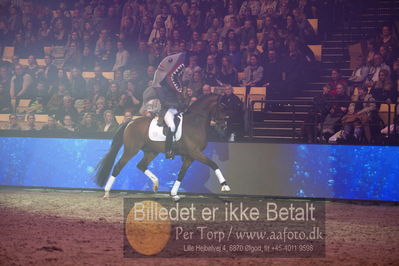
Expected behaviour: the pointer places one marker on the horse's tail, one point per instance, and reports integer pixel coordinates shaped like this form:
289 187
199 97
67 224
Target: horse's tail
104 167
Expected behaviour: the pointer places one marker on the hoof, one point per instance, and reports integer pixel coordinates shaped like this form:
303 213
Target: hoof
155 186
176 198
106 196
225 188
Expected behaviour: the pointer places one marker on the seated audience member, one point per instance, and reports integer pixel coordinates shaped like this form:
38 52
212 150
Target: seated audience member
370 51
359 116
360 72
253 73
21 84
189 96
228 73
232 25
32 66
113 94
134 94
80 109
37 105
100 107
118 78
250 51
235 55
5 101
335 79
51 125
68 125
125 104
387 39
383 88
31 126
61 78
268 29
247 32
317 114
387 55
216 28
191 69
266 7
42 90
67 108
395 70
88 124
95 92
100 79
5 77
377 65
109 123
57 98
200 50
49 70
73 57
13 123
210 71
234 108
127 117
106 59
206 90
150 72
196 83
231 13
336 111
121 58
88 59
77 84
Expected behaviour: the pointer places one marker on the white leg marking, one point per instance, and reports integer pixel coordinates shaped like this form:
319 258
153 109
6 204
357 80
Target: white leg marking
225 187
220 176
108 186
153 178
175 188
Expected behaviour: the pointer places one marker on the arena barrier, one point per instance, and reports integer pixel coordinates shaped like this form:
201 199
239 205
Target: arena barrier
287 170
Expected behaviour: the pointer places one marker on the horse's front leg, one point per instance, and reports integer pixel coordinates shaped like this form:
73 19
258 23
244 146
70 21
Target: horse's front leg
199 156
186 164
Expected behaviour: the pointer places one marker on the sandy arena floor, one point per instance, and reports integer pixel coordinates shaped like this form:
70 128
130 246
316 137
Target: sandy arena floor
47 227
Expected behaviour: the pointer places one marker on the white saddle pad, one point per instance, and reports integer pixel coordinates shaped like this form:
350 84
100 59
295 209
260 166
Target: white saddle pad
155 132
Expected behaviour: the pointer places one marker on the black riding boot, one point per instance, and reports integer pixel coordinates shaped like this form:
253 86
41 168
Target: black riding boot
169 145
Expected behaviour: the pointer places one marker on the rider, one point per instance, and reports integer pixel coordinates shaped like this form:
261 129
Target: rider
167 82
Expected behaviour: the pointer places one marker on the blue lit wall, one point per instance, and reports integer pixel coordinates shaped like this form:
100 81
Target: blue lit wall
331 171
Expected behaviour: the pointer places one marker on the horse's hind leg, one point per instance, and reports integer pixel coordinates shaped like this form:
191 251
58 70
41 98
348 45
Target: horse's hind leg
199 156
128 153
186 164
143 166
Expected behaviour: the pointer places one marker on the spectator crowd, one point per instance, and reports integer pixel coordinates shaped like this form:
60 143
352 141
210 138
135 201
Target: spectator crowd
265 40
347 109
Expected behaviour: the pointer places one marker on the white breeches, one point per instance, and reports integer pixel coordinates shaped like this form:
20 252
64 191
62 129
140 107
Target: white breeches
170 119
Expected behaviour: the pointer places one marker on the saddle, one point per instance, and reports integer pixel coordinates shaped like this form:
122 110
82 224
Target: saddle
158 128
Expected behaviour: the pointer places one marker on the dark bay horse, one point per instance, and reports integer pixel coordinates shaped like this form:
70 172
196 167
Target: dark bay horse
134 137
